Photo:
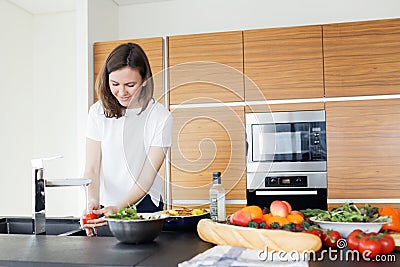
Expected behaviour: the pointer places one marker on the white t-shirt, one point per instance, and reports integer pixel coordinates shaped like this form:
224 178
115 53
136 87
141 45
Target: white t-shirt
125 143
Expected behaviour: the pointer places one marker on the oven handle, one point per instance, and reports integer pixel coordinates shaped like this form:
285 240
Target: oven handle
285 193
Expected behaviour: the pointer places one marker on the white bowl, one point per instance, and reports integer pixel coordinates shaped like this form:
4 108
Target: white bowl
345 228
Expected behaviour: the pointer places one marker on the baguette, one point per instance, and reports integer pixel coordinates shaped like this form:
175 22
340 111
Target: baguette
260 239
396 237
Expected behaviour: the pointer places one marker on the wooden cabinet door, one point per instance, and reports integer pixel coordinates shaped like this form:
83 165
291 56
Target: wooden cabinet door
362 58
153 47
283 63
206 140
205 68
285 107
363 146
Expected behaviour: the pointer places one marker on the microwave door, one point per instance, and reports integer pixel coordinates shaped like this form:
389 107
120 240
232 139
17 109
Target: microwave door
287 146
282 145
263 137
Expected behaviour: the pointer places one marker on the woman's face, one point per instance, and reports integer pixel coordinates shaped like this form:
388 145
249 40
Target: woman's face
125 84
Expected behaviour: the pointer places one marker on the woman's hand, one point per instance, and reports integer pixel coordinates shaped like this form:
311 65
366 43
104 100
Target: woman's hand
91 223
88 216
107 210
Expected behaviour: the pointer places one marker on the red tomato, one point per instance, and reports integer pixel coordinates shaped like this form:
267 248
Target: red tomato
317 232
354 239
241 218
356 232
331 238
371 234
88 217
387 244
369 247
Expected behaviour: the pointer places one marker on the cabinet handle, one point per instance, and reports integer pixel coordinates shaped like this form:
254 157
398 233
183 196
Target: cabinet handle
285 193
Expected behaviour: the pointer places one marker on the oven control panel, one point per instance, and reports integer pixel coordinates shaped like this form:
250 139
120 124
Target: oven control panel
285 181
316 140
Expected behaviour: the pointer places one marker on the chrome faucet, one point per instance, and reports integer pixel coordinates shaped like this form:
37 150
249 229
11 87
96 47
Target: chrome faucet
38 193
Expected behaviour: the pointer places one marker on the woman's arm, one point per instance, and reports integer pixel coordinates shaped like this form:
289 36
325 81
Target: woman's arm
151 166
92 171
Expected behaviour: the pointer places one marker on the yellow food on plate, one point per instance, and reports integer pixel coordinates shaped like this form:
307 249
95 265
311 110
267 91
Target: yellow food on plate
198 211
173 212
186 212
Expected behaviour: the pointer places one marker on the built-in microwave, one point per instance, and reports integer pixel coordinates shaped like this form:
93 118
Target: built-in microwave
286 141
286 158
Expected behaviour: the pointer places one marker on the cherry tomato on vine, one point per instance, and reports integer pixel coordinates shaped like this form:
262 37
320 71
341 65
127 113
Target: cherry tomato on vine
317 232
331 238
89 216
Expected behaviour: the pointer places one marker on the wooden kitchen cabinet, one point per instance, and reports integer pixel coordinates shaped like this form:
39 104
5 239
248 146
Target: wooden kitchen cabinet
363 141
283 63
206 140
153 48
205 68
362 58
285 107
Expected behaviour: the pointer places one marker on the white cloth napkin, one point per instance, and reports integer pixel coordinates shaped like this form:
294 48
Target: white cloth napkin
223 256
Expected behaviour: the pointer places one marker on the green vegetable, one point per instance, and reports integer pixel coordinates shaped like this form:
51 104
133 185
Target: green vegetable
275 225
252 224
308 213
262 225
348 212
287 227
129 213
305 225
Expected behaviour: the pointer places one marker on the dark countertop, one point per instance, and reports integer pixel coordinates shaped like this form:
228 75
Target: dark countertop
168 249
344 258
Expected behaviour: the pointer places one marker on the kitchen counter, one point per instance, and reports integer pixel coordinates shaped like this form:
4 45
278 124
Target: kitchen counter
339 258
168 249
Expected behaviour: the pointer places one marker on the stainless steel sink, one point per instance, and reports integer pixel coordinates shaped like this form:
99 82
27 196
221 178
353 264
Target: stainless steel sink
23 225
54 226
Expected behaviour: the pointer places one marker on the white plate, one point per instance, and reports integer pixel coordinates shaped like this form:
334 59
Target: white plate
345 228
167 212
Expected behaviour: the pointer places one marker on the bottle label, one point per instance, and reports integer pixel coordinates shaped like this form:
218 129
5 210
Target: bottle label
214 209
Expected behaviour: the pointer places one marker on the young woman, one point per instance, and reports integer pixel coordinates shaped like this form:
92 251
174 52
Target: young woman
128 135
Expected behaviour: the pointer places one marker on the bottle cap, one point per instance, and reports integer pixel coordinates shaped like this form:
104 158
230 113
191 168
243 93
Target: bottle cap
216 174
216 177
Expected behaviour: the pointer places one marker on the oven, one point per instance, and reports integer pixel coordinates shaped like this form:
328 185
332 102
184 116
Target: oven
286 158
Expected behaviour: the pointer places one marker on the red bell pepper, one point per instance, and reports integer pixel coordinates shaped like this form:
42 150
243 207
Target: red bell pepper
394 225
241 218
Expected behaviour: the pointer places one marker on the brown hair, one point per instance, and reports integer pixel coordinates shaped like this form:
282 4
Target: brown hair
127 54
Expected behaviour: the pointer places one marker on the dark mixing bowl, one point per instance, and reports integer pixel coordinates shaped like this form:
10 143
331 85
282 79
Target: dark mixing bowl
183 223
138 231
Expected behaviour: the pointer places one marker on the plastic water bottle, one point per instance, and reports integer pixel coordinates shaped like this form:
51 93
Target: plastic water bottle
217 199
